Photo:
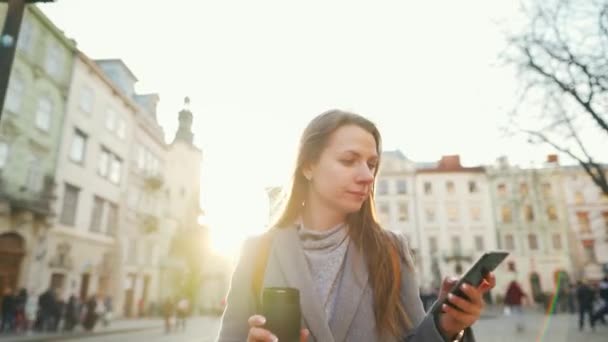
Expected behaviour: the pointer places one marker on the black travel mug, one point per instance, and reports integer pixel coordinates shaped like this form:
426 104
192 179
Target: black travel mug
281 308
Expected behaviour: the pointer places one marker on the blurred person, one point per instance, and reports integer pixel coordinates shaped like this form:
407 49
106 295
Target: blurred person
46 307
72 313
20 319
91 314
514 300
603 300
367 294
109 311
168 314
183 306
585 296
31 310
9 311
572 298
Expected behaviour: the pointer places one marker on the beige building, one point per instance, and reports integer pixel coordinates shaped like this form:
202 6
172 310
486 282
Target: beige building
454 211
91 180
396 197
587 212
532 225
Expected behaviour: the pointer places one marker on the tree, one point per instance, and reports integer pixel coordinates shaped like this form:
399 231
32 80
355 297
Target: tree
561 57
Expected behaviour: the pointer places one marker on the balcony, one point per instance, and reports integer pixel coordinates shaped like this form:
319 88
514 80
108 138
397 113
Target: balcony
22 199
153 181
149 224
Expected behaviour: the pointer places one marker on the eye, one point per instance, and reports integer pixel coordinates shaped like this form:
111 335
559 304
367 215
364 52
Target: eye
372 165
347 162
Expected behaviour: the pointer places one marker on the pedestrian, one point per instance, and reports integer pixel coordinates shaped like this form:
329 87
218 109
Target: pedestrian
602 300
168 314
514 300
91 314
31 309
585 296
572 298
72 313
182 314
357 281
20 320
9 310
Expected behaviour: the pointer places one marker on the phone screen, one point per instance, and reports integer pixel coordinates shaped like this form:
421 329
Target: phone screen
484 265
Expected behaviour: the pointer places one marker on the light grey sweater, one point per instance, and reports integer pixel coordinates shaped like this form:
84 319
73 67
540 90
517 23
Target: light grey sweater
325 252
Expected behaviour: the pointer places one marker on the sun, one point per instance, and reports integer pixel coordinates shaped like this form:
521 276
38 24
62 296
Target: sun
232 219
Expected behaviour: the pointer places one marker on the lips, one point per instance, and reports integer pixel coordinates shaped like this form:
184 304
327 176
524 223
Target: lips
358 193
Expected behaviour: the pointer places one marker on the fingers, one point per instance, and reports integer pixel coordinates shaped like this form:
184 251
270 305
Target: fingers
261 335
488 283
304 335
475 295
256 321
463 318
464 305
258 334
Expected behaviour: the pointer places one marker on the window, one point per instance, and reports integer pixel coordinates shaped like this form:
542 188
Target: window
121 128
532 242
449 187
110 120
529 213
70 205
552 213
104 162
384 208
115 170
546 190
502 190
14 95
53 61
3 154
523 189
78 148
456 245
433 247
86 99
428 188
479 245
452 211
473 188
112 220
382 186
589 250
583 221
401 186
430 214
403 212
509 242
579 198
96 214
506 214
557 242
26 36
34 175
43 113
475 213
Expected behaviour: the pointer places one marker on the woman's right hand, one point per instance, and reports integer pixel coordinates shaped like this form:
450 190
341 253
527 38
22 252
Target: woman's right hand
259 334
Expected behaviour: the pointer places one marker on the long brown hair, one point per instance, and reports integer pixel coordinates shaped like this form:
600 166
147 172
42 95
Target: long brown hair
381 252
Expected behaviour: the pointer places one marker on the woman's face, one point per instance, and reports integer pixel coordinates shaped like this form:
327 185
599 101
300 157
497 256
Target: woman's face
342 178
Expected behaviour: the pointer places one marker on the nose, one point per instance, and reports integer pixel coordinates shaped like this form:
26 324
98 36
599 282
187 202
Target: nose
365 175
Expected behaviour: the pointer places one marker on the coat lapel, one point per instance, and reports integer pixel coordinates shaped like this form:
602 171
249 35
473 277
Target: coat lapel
353 285
297 274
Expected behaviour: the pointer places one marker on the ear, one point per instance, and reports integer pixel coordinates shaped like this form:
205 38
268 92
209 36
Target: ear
307 171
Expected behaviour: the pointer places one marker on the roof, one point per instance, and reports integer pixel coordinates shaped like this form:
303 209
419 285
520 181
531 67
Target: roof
119 61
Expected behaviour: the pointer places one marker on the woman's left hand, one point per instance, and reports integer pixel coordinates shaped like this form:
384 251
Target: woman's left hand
452 321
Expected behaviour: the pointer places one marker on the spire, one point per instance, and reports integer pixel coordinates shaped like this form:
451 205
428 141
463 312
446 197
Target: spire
184 132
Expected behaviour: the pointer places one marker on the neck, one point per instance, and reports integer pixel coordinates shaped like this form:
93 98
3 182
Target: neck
319 217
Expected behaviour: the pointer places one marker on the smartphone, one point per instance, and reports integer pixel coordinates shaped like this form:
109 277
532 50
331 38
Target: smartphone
474 276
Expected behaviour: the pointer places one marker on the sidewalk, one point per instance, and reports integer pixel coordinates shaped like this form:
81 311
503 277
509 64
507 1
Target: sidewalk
115 327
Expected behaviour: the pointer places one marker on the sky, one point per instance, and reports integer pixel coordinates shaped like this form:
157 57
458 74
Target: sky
426 72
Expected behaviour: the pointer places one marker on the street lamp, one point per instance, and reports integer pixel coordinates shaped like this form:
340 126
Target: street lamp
8 41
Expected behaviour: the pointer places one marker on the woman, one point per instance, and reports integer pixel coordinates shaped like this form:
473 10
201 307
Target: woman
356 281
